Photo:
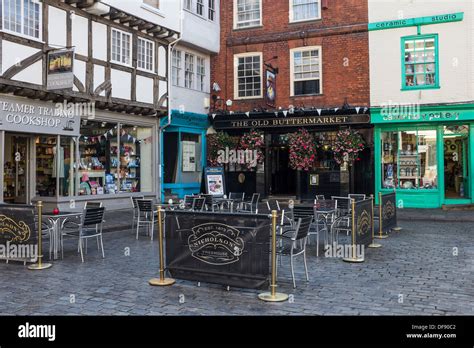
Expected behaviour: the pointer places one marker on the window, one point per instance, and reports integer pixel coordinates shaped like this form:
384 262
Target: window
306 71
121 52
303 10
145 54
22 17
212 10
409 159
189 70
188 4
199 7
176 68
201 73
248 75
247 13
420 62
152 3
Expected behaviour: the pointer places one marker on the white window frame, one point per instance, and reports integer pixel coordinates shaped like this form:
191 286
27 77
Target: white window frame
179 68
236 17
236 77
291 2
192 72
188 5
22 34
211 9
292 70
203 8
200 87
121 48
152 70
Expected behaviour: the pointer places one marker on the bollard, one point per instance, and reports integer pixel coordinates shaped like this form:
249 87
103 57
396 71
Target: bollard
273 296
40 265
353 257
162 281
381 235
373 244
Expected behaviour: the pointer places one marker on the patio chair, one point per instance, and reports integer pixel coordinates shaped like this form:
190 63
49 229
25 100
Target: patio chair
252 206
238 198
339 224
210 203
344 209
320 197
198 204
135 210
294 244
322 219
273 204
356 196
146 216
92 205
188 201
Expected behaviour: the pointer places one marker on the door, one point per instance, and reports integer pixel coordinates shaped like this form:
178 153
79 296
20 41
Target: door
16 169
456 170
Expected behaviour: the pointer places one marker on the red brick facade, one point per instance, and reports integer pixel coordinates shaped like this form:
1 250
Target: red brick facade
342 33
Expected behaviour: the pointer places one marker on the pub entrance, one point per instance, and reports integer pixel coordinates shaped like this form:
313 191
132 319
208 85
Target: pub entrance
282 179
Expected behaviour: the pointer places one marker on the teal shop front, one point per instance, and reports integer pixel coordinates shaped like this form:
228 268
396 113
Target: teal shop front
425 153
183 150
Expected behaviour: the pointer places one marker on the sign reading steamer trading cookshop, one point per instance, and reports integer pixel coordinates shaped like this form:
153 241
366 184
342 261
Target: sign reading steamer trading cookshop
30 116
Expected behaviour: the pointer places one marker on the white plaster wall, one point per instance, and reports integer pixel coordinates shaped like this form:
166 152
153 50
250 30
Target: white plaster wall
455 42
80 30
80 71
162 57
32 74
13 53
162 89
121 84
56 27
200 32
144 89
99 41
99 77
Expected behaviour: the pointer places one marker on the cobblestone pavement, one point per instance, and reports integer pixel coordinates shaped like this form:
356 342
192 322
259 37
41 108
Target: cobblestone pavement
415 267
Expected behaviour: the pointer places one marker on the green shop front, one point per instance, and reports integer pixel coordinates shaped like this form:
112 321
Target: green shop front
183 150
425 153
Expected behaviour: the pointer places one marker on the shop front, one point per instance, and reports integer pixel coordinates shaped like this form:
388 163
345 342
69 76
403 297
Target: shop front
275 176
426 154
67 154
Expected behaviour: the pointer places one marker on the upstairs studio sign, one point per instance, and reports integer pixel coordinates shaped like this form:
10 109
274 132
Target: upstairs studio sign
307 121
411 22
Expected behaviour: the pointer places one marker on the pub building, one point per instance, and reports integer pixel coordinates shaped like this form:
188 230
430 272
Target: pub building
274 176
81 123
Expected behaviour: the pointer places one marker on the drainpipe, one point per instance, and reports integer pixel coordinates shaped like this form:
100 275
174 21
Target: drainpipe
161 129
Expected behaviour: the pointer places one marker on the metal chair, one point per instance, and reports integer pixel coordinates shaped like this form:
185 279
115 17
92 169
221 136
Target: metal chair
238 198
146 216
339 224
188 201
252 206
344 209
273 204
92 205
135 209
325 212
209 202
320 197
294 244
356 196
198 204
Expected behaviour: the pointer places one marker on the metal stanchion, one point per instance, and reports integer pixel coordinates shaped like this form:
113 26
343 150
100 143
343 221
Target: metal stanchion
373 244
381 235
40 265
354 257
162 281
273 296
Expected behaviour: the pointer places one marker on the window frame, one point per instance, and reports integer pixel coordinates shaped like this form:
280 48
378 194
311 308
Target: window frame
211 10
200 4
22 21
178 67
201 84
403 39
191 72
152 70
190 3
236 22
112 29
291 13
236 77
292 70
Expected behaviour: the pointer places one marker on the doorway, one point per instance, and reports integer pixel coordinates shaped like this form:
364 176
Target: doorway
16 169
456 170
283 178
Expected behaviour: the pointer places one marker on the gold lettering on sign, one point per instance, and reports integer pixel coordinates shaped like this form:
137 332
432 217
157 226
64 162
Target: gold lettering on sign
18 231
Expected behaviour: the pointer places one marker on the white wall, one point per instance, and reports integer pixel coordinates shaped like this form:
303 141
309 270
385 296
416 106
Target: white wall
121 84
456 52
201 32
99 41
56 32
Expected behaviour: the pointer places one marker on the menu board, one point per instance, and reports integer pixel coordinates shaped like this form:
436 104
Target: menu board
215 181
189 156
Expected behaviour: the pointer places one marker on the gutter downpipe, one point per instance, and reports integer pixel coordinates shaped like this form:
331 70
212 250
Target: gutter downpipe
161 129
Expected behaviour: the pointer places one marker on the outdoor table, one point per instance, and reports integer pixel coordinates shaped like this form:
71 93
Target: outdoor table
56 222
222 201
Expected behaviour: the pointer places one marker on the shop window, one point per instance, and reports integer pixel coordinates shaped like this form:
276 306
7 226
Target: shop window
22 17
420 62
409 159
248 75
67 168
46 153
303 10
247 13
306 71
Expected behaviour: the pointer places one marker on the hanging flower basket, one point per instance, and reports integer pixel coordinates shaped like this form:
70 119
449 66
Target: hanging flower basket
347 146
215 143
253 141
302 148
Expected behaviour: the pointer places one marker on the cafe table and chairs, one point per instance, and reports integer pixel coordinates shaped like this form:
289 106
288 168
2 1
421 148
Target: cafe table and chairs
324 214
252 206
224 203
344 208
56 220
134 199
147 216
237 198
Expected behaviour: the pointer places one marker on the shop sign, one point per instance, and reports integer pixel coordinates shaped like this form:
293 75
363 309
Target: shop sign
60 72
410 22
270 88
214 180
404 114
36 117
363 217
307 121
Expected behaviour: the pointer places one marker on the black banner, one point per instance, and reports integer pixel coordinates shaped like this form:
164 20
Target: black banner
18 235
363 219
223 248
389 212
